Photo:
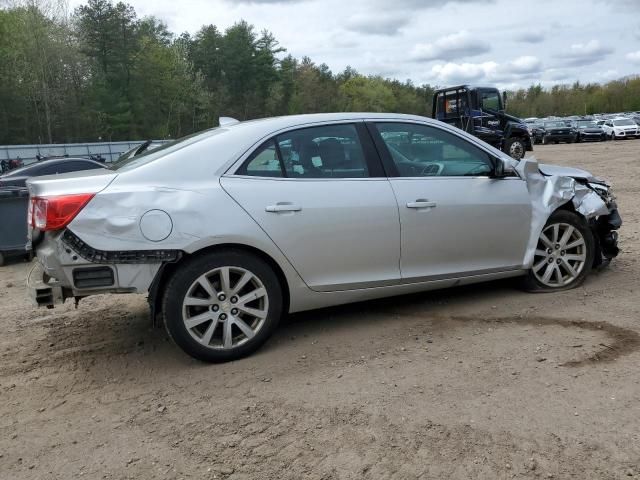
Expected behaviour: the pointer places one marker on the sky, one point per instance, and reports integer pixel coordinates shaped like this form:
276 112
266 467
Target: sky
508 43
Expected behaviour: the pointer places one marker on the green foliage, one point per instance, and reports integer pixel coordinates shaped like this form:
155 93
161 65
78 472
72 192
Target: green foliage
577 99
104 73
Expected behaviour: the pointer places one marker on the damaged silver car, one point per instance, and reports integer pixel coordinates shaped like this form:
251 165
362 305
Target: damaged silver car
229 229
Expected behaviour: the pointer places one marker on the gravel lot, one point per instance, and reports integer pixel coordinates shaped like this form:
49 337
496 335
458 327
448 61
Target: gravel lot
483 382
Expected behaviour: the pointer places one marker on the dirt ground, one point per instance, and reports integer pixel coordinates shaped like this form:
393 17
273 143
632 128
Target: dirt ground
482 382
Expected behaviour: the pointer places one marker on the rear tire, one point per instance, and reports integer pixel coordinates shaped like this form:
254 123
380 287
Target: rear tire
564 254
222 306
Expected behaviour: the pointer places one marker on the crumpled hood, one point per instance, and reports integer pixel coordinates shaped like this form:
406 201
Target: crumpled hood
560 171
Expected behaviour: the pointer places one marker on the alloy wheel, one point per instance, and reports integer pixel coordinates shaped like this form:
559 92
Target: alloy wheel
560 255
225 307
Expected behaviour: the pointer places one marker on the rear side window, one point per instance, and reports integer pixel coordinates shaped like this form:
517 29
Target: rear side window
263 162
331 151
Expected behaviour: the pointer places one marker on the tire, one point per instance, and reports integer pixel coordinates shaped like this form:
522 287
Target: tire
515 148
224 329
560 260
2 259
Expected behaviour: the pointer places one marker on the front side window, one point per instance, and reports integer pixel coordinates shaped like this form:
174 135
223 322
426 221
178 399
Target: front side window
424 151
331 151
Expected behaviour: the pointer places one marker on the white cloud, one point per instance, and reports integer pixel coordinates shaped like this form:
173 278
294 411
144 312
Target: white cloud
492 72
377 24
580 54
457 45
530 36
525 64
463 72
634 57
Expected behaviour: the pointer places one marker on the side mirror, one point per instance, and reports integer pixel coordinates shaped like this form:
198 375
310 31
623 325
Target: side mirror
502 168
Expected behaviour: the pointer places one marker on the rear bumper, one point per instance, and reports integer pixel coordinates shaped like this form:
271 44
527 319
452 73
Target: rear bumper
61 271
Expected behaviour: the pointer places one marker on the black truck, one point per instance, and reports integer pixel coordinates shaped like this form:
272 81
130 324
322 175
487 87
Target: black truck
480 112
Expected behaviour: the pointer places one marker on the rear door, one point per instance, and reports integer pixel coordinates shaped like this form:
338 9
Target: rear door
455 220
321 196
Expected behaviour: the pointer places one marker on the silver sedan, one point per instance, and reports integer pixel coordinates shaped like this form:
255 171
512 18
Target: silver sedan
230 228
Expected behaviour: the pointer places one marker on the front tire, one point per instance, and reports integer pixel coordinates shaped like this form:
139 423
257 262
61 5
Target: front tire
564 254
222 306
515 148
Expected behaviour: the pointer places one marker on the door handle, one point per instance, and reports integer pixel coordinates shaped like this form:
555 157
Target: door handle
420 203
282 207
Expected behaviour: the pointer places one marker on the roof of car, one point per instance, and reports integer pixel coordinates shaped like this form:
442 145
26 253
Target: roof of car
273 124
54 161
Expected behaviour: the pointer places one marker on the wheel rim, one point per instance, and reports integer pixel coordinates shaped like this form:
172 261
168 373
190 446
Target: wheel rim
225 308
516 150
560 255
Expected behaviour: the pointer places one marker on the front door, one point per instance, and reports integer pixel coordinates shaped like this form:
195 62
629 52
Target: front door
315 192
455 220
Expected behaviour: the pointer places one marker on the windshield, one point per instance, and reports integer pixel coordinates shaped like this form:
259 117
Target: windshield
587 124
167 148
623 122
554 124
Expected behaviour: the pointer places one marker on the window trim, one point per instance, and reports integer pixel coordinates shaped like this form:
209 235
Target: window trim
371 154
387 159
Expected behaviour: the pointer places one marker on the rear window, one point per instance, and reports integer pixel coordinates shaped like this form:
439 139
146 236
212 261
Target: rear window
170 147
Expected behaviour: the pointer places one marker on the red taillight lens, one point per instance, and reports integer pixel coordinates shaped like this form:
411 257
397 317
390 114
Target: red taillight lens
54 213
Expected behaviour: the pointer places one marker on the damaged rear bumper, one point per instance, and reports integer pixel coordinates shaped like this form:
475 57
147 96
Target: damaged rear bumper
65 267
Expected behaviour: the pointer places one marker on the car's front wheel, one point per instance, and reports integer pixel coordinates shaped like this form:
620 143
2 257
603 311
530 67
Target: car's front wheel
564 254
515 148
222 306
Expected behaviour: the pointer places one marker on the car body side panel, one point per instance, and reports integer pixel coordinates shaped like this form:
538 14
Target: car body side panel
345 235
202 217
477 224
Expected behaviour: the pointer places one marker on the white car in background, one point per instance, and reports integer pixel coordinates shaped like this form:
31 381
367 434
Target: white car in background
621 127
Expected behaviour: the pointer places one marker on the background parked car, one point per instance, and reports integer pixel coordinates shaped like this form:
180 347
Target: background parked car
589 131
557 131
18 177
537 132
621 128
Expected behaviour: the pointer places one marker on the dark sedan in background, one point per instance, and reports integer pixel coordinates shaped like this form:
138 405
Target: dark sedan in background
589 131
18 177
557 131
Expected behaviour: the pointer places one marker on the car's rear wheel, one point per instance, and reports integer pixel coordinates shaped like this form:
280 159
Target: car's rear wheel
222 306
564 254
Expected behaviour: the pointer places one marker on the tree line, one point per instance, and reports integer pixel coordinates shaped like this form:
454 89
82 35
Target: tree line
101 72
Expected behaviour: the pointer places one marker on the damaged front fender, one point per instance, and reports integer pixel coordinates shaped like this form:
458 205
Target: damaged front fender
550 192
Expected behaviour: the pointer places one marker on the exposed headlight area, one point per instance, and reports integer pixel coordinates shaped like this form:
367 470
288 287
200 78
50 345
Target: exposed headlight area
605 191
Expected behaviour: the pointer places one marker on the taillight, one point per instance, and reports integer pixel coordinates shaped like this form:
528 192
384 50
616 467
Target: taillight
54 213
